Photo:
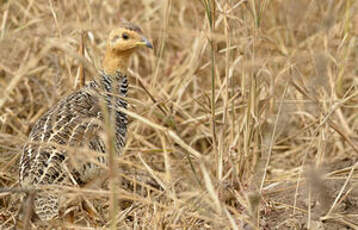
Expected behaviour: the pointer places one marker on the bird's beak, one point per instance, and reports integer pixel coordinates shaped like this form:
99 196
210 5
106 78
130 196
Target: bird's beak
145 42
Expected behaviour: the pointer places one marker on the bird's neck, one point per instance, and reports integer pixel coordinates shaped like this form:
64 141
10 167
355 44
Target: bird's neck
113 79
114 83
114 62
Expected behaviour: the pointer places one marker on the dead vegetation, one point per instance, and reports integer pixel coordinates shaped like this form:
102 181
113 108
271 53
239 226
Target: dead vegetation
245 114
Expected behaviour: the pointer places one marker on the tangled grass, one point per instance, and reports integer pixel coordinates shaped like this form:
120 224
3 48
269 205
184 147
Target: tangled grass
244 114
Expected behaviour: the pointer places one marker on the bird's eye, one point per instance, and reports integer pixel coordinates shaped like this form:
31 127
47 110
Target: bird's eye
125 36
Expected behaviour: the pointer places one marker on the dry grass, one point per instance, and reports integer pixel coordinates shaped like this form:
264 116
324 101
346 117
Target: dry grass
245 114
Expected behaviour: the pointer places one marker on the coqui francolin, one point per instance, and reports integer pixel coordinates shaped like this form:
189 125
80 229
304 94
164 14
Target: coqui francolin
77 122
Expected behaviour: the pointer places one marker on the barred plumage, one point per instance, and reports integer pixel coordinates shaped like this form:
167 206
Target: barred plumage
76 122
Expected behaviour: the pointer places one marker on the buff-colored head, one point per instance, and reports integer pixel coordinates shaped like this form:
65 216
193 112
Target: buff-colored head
121 43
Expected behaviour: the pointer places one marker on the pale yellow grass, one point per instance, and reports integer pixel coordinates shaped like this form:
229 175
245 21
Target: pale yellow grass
243 117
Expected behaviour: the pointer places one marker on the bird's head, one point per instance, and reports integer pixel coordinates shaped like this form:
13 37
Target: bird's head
121 43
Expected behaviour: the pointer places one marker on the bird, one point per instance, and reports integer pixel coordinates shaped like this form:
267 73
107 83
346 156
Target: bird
77 121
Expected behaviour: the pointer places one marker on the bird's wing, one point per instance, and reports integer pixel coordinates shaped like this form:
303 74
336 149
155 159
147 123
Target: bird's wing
71 123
